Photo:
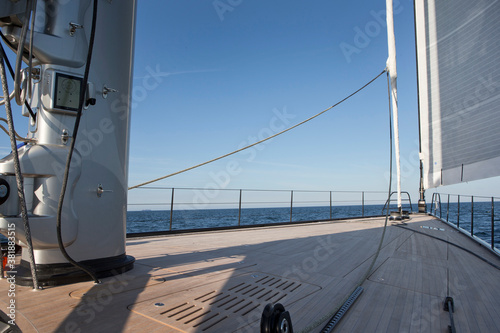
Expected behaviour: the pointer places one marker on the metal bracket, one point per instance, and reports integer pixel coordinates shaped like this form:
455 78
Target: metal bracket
448 302
449 306
72 28
106 90
35 74
101 190
64 136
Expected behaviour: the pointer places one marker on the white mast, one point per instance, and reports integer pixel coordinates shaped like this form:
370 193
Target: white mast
74 94
391 67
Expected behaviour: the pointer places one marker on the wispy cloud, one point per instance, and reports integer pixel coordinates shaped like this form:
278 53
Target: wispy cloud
166 74
296 166
4 151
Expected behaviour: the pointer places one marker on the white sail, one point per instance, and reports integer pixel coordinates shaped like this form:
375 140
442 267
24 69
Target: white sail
392 69
458 54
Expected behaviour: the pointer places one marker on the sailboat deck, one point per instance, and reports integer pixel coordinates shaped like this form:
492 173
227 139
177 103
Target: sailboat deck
221 281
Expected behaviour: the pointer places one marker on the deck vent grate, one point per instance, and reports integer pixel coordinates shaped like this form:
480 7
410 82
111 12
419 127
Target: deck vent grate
223 306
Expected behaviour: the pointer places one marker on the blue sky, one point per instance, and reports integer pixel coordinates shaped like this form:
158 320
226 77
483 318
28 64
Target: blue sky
233 71
229 67
212 76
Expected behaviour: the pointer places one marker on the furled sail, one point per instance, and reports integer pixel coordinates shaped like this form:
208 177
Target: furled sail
458 57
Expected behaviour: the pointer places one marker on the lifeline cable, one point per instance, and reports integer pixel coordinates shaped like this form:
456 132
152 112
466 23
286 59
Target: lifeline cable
259 142
18 137
331 315
19 176
452 244
10 97
30 57
11 71
72 148
18 94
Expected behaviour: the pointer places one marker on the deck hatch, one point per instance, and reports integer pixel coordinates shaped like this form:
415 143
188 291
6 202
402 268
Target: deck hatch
223 306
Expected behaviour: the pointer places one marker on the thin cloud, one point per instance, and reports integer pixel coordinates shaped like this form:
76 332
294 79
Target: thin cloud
166 74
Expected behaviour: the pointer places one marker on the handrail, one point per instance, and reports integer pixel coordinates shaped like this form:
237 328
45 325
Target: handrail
472 205
403 192
488 197
239 199
436 199
255 189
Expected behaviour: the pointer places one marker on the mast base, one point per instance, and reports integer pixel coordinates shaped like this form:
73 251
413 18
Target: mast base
65 273
422 207
399 215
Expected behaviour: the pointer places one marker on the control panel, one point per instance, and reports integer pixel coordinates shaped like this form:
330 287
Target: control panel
61 91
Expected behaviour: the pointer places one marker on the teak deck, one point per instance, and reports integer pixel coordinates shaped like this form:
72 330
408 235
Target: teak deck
221 281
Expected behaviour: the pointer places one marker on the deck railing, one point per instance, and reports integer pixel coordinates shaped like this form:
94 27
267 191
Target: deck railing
174 200
472 215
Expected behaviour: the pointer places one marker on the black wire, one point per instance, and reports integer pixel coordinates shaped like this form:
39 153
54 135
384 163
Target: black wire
11 71
258 142
6 40
72 148
390 140
18 174
330 325
452 244
18 93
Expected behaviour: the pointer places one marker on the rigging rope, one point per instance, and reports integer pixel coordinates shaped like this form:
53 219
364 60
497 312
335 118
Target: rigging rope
258 142
71 150
330 316
11 71
30 53
452 244
10 97
19 93
18 137
19 176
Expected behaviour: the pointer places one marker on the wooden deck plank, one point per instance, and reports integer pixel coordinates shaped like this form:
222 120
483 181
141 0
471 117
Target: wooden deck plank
399 311
404 292
373 313
390 307
473 295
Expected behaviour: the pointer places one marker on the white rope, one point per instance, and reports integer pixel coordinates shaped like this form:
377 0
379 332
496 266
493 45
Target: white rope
19 176
258 142
11 96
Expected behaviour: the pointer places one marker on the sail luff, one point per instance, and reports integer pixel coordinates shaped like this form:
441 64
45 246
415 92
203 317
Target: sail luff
391 67
459 89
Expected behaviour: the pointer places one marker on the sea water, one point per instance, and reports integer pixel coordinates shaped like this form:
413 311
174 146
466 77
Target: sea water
162 220
159 220
475 218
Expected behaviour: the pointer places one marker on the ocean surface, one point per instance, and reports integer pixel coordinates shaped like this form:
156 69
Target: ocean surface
160 220
478 219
